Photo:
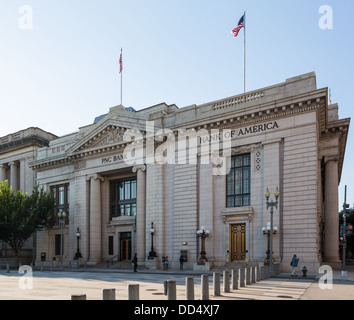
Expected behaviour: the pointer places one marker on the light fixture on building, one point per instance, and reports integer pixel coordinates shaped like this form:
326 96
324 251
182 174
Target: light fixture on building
78 254
61 216
152 253
271 204
202 233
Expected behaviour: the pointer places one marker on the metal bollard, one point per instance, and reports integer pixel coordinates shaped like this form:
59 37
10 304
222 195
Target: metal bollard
205 287
171 290
226 281
7 267
189 288
109 294
133 291
216 283
258 273
234 277
165 287
78 297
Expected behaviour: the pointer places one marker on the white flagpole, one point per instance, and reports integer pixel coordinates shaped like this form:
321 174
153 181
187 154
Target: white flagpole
244 52
121 77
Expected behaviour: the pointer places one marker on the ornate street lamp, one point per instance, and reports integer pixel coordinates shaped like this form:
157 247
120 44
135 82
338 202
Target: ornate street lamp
152 253
202 233
266 230
78 254
61 216
271 204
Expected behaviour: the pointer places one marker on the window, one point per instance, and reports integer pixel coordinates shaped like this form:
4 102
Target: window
57 244
123 197
239 181
61 200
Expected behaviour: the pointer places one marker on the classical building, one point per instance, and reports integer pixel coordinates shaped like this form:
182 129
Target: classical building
16 151
161 173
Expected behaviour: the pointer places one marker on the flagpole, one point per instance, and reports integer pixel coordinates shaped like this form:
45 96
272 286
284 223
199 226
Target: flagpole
244 53
121 77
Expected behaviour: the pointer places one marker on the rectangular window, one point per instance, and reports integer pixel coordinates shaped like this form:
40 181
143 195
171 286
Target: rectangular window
57 244
110 245
238 182
123 197
61 200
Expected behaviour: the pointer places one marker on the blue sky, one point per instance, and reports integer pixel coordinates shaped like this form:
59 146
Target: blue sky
63 72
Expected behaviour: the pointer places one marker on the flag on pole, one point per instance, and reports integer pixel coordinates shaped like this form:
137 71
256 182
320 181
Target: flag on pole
240 25
120 63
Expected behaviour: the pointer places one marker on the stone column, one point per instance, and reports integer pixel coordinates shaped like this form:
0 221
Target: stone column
140 210
95 218
13 175
331 241
3 172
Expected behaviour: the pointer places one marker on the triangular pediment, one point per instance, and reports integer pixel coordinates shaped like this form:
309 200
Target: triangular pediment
107 133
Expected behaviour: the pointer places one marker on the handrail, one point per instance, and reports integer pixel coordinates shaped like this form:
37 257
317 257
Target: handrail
111 260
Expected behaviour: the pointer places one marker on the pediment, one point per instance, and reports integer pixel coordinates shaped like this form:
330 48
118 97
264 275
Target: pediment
106 134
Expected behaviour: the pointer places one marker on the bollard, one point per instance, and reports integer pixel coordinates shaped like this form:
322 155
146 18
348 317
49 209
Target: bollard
205 287
171 290
261 272
109 294
234 277
253 273
133 291
78 297
258 273
165 287
226 280
216 283
41 266
248 276
7 267
189 288
242 277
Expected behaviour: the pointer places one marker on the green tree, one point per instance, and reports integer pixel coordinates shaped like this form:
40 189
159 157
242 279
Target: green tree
22 215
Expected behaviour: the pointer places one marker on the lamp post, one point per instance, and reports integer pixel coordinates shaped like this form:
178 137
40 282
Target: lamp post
271 204
152 253
78 254
61 216
266 230
202 233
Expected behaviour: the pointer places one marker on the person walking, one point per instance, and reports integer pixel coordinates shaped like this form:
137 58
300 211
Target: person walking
181 260
294 263
163 262
135 262
166 263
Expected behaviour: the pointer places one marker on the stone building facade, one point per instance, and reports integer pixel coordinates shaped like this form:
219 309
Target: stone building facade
16 151
134 175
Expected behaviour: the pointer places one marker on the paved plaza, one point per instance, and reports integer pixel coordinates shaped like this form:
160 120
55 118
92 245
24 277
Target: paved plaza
61 285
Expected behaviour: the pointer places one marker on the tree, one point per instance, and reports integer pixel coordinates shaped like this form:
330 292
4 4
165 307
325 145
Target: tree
22 215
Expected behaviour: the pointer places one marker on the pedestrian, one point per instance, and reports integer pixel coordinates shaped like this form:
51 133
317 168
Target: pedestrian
135 262
163 262
166 263
294 263
181 260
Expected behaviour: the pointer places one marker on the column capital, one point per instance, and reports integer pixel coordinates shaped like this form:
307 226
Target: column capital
331 158
141 167
12 163
94 177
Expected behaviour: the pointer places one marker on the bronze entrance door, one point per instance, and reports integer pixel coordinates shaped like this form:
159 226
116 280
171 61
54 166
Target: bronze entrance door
125 246
238 242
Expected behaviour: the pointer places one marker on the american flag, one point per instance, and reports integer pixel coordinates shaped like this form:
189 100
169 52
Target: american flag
120 63
240 25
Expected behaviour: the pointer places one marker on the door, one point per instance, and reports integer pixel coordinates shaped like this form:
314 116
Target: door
238 242
125 246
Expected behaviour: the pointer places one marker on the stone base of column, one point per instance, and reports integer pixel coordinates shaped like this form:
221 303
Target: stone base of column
151 263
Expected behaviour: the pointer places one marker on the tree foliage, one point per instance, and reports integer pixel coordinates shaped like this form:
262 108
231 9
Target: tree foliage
22 215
